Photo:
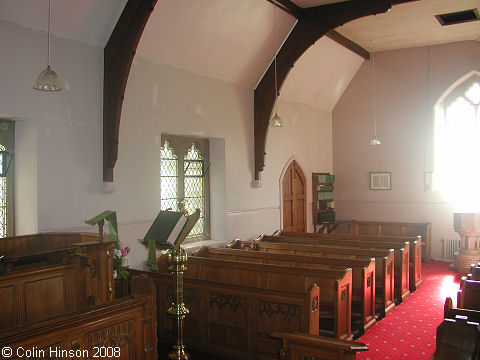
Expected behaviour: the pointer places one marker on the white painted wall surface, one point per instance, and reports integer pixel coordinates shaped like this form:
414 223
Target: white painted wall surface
406 91
59 141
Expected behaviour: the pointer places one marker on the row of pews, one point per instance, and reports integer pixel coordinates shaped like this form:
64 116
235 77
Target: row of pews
458 336
289 292
57 297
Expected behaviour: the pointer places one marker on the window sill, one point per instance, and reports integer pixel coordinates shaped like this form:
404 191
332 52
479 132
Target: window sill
194 246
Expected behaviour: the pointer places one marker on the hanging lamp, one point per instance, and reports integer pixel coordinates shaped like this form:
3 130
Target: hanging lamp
375 141
275 121
48 80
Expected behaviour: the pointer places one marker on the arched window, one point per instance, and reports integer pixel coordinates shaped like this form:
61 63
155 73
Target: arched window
184 179
3 197
457 143
168 178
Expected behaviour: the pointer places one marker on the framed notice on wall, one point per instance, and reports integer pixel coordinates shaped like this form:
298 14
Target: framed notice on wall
380 181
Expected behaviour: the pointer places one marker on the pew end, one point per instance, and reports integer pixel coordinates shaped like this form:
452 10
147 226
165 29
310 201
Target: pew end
302 346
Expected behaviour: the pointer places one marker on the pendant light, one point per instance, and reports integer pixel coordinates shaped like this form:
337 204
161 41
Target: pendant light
276 121
48 79
375 141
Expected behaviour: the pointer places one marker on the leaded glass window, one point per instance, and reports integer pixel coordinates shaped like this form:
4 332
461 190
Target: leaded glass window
7 210
193 187
184 179
457 134
3 199
168 178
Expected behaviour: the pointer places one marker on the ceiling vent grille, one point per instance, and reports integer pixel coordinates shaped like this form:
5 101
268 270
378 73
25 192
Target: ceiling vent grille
458 17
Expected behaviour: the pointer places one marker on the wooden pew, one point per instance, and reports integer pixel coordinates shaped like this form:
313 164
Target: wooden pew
123 329
336 285
457 339
386 228
299 346
415 251
402 255
468 297
234 308
449 312
363 276
384 264
39 283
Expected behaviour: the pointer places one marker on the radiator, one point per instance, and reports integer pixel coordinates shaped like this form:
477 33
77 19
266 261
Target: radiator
450 246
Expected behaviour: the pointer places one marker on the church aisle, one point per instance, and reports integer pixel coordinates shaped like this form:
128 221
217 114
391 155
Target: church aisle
409 331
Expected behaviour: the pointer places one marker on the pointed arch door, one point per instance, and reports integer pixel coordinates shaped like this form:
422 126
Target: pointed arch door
294 199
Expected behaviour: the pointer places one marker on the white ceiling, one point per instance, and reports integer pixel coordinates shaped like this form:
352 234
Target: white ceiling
232 40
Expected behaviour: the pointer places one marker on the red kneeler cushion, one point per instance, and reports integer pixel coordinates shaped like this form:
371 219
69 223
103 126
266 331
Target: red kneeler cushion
248 245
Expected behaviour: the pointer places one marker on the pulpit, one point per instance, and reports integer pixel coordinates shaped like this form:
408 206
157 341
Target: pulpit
467 225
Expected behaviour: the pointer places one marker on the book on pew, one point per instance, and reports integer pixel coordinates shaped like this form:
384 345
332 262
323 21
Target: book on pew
166 228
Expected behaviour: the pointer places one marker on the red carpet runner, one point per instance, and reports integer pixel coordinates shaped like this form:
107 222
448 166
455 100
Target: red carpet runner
408 332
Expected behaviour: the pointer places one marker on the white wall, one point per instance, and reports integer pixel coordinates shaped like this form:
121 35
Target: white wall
160 98
406 91
59 141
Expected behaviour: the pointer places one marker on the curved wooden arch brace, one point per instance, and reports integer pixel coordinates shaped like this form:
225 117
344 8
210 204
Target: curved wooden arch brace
312 24
118 56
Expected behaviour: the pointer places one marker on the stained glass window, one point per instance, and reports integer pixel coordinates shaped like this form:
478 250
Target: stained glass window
184 179
3 199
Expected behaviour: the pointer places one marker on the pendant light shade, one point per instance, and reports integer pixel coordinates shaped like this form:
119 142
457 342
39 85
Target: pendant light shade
276 121
48 80
375 141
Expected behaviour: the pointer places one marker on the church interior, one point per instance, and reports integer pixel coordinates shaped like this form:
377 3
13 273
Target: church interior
329 146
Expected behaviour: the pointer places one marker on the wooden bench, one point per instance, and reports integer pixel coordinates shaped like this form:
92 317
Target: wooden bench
468 297
335 285
300 346
457 339
401 250
363 277
39 283
231 312
122 329
384 264
385 228
449 312
415 252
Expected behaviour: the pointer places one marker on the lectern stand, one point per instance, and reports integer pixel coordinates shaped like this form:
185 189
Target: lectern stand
177 265
177 261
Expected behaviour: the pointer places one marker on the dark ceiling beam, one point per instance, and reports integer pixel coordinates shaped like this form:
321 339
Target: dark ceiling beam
296 11
349 44
314 23
288 6
118 55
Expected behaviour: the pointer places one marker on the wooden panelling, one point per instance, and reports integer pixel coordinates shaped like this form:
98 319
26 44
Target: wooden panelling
126 326
53 274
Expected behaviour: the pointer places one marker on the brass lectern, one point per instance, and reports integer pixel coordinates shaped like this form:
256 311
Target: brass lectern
160 235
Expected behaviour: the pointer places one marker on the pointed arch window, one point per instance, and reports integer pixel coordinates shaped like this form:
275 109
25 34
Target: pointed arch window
3 198
168 178
184 179
457 143
7 143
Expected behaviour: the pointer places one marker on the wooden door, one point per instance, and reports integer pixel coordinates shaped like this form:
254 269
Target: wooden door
294 199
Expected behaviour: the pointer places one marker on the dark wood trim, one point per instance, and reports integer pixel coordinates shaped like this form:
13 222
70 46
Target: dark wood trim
118 56
314 23
288 6
349 44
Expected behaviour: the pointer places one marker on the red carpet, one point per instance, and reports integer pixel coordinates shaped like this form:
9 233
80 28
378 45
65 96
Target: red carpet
408 332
